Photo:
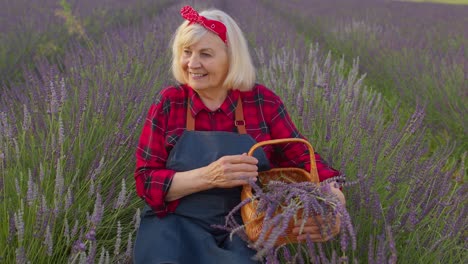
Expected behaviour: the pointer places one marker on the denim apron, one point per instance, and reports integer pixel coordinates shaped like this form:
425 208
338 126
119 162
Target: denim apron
187 236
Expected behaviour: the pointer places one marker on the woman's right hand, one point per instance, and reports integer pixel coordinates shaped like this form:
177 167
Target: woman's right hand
231 171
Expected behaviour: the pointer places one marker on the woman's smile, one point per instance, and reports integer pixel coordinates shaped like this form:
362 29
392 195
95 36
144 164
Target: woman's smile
197 76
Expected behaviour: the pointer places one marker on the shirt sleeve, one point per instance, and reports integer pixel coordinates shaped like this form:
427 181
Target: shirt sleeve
293 154
152 178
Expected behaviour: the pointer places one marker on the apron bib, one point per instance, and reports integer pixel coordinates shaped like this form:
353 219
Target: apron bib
187 236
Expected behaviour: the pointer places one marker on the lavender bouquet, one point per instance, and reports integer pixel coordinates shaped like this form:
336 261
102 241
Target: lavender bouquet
284 204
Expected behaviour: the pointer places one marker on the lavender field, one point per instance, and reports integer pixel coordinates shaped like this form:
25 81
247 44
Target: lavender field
378 87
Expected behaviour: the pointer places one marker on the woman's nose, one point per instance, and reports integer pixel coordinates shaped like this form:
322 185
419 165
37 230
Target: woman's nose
193 62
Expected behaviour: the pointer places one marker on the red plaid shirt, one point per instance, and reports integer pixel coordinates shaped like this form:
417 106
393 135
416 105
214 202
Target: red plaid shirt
265 117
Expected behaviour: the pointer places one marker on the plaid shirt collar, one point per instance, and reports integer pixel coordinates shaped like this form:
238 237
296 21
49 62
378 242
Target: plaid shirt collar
228 106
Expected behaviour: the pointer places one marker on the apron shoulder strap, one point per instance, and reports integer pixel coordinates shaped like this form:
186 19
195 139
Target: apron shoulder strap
239 117
239 114
190 123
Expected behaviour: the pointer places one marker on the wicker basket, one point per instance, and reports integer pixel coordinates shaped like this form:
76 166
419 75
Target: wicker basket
253 222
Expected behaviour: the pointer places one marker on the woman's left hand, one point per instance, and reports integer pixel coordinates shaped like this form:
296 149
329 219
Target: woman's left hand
314 226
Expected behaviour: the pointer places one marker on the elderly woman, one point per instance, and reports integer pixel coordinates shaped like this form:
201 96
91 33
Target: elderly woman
191 161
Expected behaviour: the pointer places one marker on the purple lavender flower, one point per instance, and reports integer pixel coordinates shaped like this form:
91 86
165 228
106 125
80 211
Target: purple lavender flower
91 235
286 254
19 224
311 250
66 231
118 239
59 180
6 128
98 169
61 132
63 92
391 244
54 103
48 242
17 186
26 118
79 246
322 254
21 255
41 172
74 230
102 256
91 191
98 211
380 258
122 197
69 198
31 194
12 228
91 253
137 219
129 251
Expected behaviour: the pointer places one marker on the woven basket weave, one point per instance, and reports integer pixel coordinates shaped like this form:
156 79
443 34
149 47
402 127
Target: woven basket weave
253 221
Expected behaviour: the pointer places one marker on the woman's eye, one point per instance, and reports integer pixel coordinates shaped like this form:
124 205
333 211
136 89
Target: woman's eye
206 54
187 52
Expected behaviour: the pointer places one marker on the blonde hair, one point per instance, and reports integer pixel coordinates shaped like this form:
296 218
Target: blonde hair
241 73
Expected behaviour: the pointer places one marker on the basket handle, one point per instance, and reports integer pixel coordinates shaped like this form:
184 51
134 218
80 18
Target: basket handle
313 166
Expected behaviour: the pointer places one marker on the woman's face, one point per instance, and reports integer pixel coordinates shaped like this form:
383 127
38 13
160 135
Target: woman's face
205 63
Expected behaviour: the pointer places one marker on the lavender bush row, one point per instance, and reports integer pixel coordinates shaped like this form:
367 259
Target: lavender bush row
66 150
401 189
414 53
33 30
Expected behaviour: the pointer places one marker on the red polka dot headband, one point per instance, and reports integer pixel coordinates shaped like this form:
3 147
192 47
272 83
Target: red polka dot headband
214 26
